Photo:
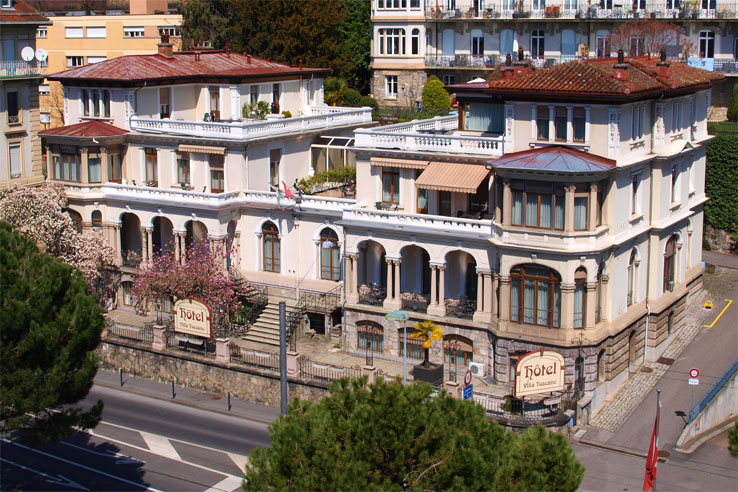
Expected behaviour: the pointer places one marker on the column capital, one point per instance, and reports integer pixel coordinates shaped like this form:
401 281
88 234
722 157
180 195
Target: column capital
594 187
570 187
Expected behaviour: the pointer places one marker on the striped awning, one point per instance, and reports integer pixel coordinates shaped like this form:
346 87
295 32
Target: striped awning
449 176
201 149
401 163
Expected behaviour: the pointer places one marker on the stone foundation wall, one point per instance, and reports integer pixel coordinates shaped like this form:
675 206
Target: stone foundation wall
202 374
658 326
410 85
720 240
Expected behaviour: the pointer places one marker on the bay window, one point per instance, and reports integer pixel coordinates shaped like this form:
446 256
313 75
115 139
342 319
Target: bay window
66 165
94 168
537 204
581 205
580 298
114 169
391 41
535 296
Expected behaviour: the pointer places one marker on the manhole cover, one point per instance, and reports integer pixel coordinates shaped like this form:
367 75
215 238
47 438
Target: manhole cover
646 369
665 361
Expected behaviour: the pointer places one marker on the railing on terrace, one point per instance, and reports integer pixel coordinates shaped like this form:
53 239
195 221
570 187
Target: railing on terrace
512 408
198 346
461 308
307 201
373 295
436 124
411 301
143 334
394 220
570 9
318 370
240 130
20 68
253 358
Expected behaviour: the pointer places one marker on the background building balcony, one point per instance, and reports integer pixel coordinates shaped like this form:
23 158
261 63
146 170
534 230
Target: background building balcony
429 224
21 69
319 117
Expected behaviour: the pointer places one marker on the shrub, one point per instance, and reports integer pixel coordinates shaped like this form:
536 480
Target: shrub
287 114
435 95
351 97
733 105
334 84
369 101
733 440
345 175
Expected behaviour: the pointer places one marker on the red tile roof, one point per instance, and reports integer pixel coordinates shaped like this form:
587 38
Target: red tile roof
87 129
182 67
22 13
554 158
594 77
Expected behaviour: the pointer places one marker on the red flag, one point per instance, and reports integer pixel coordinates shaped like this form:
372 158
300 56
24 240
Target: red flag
653 454
287 191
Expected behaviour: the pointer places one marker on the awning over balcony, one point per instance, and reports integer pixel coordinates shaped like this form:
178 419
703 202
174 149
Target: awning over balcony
401 163
201 149
449 176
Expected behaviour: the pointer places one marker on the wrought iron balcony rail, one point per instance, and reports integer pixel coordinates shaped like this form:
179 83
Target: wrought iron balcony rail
21 68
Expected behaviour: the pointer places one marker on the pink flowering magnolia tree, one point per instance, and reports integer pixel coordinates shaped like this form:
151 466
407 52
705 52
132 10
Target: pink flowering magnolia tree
40 213
202 276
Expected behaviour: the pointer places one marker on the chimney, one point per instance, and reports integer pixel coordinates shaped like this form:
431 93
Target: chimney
300 63
508 71
248 59
620 69
228 48
165 47
197 56
147 7
662 67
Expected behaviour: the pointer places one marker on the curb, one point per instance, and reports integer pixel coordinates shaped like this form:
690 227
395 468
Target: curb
612 448
180 402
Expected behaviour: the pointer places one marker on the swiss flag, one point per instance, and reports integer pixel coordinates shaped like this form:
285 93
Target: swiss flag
653 454
287 191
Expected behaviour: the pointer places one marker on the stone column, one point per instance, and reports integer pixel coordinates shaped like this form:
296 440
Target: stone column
352 290
569 207
591 304
397 264
144 246
482 311
567 305
177 251
370 372
104 165
393 299
442 290
506 203
452 388
593 206
237 249
493 279
149 245
434 285
83 175
222 351
390 281
480 291
118 251
504 298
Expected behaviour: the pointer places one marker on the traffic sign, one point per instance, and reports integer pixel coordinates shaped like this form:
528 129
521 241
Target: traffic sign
694 381
467 378
468 391
694 373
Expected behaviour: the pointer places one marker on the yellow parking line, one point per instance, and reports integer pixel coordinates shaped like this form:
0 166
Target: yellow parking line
730 301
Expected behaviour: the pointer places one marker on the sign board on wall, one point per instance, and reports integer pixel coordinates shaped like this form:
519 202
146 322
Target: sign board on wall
538 372
193 317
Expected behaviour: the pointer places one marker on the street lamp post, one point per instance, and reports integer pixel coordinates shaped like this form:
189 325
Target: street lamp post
403 316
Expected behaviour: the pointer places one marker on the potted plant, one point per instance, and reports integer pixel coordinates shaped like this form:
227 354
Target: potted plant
427 331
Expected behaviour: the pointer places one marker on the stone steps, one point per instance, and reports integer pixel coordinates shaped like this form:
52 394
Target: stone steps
265 329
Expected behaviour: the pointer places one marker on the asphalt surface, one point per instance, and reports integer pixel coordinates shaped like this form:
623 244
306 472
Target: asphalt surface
710 467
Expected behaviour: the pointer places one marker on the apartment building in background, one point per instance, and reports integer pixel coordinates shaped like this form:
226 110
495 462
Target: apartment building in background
460 40
79 37
20 76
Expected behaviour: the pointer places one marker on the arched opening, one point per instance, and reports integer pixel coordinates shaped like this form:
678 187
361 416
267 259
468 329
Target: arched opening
76 219
162 237
372 273
580 298
415 278
130 240
458 350
196 232
460 284
632 278
271 248
330 255
632 347
370 336
535 296
231 253
670 263
601 365
96 219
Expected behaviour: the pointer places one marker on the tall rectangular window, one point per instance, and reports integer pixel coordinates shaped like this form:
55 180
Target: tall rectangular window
477 43
14 154
96 103
390 185
537 46
152 175
114 168
444 203
164 102
183 168
275 156
12 107
276 94
561 123
254 95
635 181
85 102
580 124
106 102
390 86
215 101
217 176
94 168
581 205
674 182
542 123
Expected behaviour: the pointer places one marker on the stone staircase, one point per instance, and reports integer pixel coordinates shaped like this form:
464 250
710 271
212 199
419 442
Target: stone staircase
266 327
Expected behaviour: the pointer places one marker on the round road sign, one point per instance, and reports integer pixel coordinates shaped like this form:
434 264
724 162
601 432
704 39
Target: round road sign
694 372
467 378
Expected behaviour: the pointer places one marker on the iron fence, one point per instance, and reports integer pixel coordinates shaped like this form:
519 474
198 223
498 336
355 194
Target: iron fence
203 347
253 358
514 408
327 372
143 334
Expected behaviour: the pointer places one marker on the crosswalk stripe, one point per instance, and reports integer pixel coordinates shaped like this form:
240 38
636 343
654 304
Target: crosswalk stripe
160 445
228 484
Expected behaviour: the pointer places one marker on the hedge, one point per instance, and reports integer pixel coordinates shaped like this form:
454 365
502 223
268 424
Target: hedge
345 175
721 183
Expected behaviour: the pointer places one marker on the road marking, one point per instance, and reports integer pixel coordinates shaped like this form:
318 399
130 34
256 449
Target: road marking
160 445
730 301
80 465
228 484
56 480
239 460
122 458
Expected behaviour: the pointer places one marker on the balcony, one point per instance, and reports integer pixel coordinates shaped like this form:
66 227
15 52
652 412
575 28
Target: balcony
320 117
429 135
20 69
430 224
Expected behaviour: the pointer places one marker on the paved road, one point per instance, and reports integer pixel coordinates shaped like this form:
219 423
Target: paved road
720 259
710 467
142 444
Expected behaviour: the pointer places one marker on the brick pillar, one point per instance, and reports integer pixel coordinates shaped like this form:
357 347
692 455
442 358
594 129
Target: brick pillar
160 340
222 351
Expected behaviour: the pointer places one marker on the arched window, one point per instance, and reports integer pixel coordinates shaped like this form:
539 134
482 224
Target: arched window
535 296
271 245
670 264
459 349
370 336
330 255
415 42
414 345
631 278
580 298
96 220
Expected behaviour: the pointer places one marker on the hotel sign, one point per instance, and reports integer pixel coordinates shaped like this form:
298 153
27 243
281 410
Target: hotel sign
193 317
538 372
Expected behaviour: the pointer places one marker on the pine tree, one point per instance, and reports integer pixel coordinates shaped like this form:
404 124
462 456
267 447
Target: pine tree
545 461
384 435
50 328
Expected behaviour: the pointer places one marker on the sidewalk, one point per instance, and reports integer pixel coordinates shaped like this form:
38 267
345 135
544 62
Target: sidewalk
187 396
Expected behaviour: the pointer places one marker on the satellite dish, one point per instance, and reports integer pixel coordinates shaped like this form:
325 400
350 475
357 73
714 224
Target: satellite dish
27 53
41 54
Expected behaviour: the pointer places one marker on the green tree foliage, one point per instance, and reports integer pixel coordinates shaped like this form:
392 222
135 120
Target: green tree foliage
435 96
733 440
733 105
331 34
351 97
377 437
50 327
345 175
721 183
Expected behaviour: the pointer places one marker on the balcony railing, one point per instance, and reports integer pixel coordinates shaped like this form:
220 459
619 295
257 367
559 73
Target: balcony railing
401 220
570 9
322 117
20 68
418 141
